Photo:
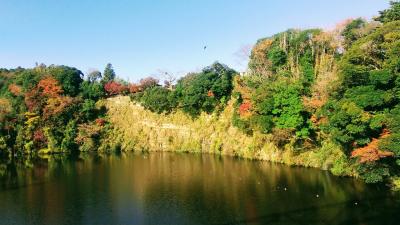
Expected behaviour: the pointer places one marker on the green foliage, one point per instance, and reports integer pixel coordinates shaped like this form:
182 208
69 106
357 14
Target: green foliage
350 32
69 78
348 124
92 90
278 57
159 99
68 143
367 97
204 91
109 74
373 172
88 110
280 106
391 14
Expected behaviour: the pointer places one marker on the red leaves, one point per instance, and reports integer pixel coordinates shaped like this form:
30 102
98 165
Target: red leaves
38 136
100 121
33 100
115 88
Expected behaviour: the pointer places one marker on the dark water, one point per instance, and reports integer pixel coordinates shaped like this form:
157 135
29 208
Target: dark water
185 189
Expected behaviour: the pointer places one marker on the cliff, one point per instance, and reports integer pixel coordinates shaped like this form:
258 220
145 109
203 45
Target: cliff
135 128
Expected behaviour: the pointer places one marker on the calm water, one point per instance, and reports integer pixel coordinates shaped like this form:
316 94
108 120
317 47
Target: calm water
166 188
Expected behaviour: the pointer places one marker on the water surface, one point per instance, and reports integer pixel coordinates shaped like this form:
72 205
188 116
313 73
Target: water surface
168 188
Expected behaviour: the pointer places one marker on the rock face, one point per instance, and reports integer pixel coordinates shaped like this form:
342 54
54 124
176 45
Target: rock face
138 129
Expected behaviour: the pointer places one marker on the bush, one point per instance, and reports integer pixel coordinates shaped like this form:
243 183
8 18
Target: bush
158 99
204 91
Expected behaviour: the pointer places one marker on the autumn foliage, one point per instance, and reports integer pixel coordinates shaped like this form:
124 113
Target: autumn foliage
115 88
244 109
16 90
49 87
371 152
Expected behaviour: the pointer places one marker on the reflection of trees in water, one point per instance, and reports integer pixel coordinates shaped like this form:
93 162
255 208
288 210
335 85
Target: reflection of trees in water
198 188
238 188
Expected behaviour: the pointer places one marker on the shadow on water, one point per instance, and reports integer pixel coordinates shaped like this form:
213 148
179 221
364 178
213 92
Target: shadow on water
167 188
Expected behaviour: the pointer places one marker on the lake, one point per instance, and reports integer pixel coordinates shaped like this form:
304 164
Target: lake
171 188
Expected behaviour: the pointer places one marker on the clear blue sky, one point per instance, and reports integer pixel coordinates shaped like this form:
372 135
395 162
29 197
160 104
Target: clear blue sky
141 37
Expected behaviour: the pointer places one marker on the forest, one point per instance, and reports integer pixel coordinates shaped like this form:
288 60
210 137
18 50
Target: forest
302 87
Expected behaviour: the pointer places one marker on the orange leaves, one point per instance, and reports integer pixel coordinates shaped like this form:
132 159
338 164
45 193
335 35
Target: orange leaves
49 87
15 89
134 88
371 152
313 103
47 96
245 109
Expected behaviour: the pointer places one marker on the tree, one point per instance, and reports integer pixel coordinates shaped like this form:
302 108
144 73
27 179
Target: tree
91 90
109 74
350 32
391 14
206 90
69 78
115 88
94 76
148 82
158 99
68 143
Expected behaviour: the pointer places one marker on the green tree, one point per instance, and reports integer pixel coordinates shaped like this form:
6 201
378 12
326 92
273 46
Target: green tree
68 143
391 14
206 90
159 99
109 74
350 32
69 78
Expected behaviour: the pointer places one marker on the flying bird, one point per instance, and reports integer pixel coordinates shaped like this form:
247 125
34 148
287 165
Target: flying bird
205 47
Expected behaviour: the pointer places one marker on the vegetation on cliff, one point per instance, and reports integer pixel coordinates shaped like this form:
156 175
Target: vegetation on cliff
313 97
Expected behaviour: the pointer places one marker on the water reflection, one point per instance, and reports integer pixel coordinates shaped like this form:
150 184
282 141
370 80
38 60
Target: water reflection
166 188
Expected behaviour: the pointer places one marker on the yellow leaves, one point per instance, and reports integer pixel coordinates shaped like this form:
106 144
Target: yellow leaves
5 108
32 119
392 36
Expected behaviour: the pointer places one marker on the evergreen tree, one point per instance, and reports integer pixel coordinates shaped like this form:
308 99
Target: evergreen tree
109 74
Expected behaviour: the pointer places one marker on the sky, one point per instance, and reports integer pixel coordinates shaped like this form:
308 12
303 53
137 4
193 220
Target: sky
148 37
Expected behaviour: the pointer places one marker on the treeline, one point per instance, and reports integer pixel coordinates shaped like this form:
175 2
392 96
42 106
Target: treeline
52 109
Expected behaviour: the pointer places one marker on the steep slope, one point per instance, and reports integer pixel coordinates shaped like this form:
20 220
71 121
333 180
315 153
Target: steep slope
135 128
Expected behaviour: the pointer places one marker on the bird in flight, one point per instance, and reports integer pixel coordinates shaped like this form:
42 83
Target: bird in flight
205 47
